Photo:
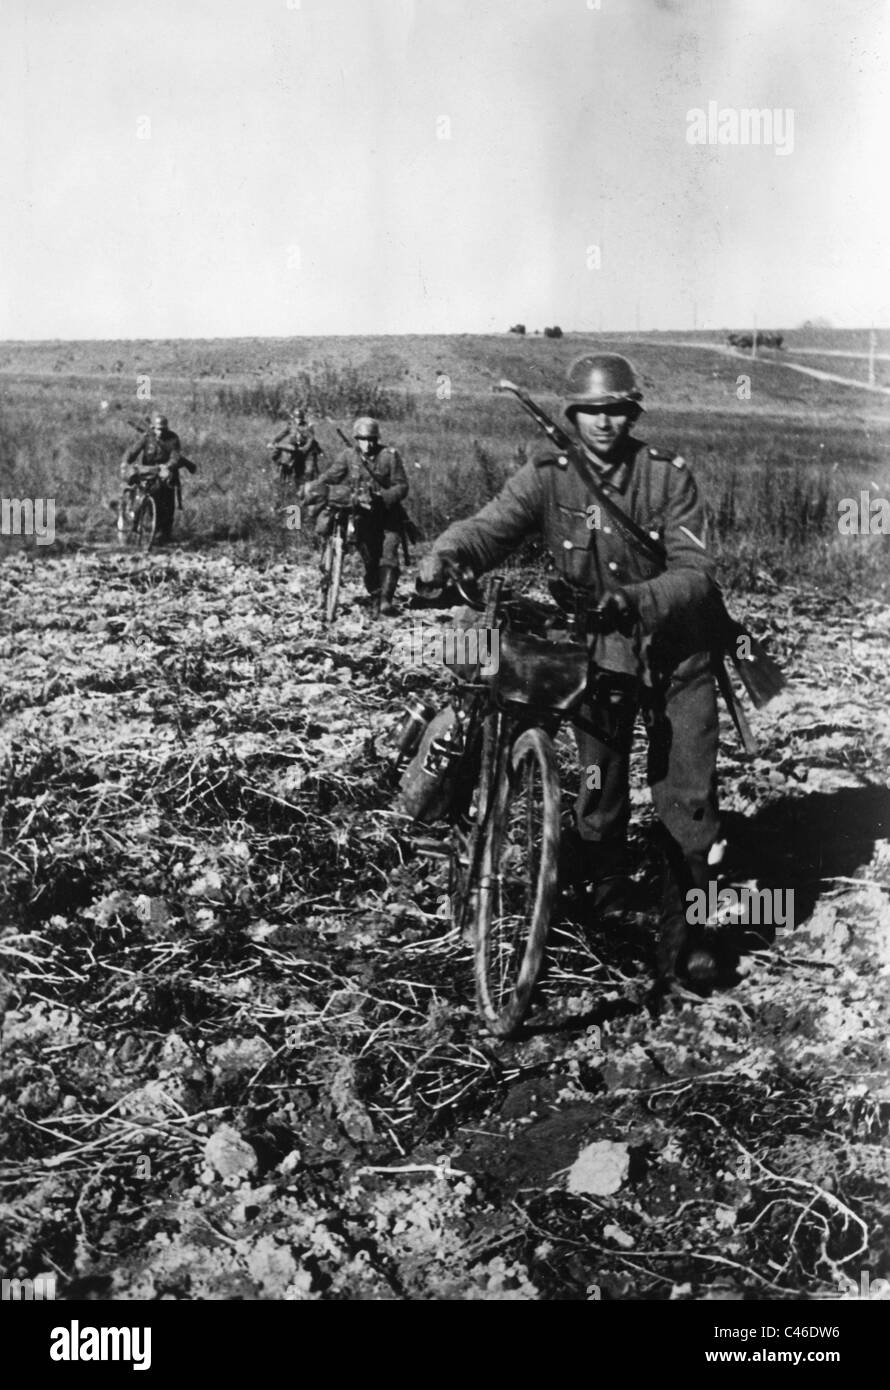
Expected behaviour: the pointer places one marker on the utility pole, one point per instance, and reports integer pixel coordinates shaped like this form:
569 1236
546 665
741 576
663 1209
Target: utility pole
871 355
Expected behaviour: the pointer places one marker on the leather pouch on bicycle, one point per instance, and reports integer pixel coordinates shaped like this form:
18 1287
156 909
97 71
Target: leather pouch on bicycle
324 522
536 671
426 789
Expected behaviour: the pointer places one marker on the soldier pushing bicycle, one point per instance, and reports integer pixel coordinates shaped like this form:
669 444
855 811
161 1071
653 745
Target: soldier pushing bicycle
371 477
626 528
153 464
296 451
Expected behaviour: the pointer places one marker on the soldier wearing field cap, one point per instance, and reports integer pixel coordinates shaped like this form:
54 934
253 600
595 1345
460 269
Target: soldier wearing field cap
373 473
652 649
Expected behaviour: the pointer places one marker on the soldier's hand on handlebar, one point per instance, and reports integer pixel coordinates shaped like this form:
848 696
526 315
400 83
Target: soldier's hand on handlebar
431 573
443 581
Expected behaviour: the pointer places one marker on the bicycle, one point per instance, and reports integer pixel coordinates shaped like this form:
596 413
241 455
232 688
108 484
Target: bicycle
141 512
503 786
342 533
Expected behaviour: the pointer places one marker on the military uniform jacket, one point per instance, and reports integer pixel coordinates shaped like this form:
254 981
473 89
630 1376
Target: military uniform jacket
156 451
384 475
302 439
552 497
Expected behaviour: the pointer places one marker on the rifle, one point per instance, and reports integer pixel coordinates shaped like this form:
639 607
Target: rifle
757 671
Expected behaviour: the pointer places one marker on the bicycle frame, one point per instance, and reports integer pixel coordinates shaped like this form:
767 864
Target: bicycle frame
150 486
341 535
483 712
504 792
344 524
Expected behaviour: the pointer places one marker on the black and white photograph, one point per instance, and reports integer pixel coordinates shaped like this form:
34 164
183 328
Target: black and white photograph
444 688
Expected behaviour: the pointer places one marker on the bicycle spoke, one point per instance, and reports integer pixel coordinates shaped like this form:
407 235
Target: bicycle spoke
514 888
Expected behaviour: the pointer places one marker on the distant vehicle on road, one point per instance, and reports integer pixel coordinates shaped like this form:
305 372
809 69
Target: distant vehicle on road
746 340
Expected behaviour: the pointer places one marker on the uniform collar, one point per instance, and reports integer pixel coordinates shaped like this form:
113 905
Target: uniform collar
617 475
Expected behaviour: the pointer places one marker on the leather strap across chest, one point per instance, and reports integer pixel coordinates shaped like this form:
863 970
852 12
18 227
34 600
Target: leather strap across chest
630 529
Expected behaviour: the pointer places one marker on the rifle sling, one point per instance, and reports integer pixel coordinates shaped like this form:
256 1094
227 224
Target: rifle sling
656 552
728 628
601 490
361 458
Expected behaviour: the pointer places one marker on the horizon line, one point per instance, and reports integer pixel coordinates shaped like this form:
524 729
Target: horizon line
491 333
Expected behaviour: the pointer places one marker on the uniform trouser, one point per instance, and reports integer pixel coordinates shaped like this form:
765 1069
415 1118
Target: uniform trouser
165 506
681 723
294 470
378 540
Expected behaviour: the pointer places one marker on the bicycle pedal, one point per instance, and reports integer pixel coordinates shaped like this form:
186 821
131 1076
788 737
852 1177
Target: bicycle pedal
433 849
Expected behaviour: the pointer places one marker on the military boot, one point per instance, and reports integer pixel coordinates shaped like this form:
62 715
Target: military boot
372 585
682 954
596 874
607 891
389 578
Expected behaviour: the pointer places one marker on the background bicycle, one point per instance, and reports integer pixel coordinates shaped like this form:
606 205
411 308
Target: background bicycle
342 516
147 514
341 535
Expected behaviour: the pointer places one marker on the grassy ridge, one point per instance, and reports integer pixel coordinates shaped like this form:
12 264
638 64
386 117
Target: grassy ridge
773 467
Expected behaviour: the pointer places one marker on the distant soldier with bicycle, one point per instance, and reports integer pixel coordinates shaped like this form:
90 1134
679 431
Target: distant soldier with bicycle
156 460
648 635
295 450
372 476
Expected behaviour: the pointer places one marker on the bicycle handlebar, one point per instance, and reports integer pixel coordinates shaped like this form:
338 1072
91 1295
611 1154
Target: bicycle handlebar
461 586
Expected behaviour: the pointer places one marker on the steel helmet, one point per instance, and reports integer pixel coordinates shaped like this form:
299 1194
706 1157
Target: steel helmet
366 427
298 414
599 379
158 419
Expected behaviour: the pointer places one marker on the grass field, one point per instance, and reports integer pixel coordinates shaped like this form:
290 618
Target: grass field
240 1050
241 1054
773 467
854 367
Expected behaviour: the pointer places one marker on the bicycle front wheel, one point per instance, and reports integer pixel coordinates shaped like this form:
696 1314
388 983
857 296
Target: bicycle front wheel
146 523
517 883
333 569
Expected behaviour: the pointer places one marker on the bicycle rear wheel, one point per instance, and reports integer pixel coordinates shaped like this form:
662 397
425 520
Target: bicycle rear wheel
146 523
332 569
517 883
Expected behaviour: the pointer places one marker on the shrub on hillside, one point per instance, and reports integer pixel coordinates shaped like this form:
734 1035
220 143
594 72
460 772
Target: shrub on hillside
325 388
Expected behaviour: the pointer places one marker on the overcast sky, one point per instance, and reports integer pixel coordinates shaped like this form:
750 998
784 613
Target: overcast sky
295 178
